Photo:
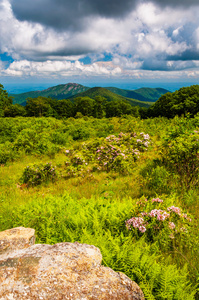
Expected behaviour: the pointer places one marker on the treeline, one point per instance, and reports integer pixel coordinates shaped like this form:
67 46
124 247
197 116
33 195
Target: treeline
82 106
185 101
182 102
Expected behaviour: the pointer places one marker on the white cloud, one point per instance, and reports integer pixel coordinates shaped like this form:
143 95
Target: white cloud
60 69
147 37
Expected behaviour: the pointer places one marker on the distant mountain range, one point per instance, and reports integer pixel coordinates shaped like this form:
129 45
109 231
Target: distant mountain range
143 97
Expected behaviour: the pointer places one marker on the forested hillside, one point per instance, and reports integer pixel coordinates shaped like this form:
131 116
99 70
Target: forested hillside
142 94
61 91
73 90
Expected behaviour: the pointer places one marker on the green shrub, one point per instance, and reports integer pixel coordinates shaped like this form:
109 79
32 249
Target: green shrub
37 174
7 153
156 178
180 154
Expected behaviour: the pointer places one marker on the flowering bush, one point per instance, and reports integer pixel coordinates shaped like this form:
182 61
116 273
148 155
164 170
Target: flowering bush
155 220
36 174
106 154
119 153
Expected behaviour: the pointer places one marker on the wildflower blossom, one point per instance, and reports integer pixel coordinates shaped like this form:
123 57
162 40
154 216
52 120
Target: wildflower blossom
174 209
142 229
144 214
146 136
171 225
186 217
157 200
161 214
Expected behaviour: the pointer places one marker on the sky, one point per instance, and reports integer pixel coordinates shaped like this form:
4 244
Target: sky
128 43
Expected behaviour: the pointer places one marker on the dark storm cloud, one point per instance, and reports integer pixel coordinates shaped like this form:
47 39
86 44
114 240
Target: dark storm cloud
162 65
154 65
183 3
188 55
67 14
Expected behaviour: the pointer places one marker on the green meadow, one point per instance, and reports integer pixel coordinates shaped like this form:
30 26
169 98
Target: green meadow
126 185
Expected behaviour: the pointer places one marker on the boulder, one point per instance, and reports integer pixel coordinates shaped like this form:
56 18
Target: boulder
16 238
61 271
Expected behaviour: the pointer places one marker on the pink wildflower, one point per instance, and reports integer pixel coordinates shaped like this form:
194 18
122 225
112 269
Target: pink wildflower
142 229
186 217
161 214
174 209
135 221
146 136
171 225
157 200
146 144
144 214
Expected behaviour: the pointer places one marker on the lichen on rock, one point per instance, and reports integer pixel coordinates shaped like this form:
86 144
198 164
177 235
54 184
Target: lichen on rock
62 271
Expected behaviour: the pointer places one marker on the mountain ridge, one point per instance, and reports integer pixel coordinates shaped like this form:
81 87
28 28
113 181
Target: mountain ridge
109 96
142 94
142 97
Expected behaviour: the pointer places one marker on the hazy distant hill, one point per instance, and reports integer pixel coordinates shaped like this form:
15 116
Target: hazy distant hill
142 94
142 97
110 96
61 91
151 94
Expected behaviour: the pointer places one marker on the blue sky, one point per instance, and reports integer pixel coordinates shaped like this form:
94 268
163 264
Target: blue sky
129 43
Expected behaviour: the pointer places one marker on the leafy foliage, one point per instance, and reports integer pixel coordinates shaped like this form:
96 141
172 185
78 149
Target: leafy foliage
180 153
182 102
37 174
91 198
101 222
5 100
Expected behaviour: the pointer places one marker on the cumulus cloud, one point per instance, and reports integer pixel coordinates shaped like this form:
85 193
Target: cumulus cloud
51 38
60 69
176 3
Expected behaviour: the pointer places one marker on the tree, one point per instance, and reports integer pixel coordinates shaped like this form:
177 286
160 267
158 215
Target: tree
64 108
84 105
181 102
5 100
14 110
99 107
39 107
118 108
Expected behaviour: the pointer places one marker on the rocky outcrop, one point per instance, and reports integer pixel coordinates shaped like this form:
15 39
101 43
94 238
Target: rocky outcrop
61 271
